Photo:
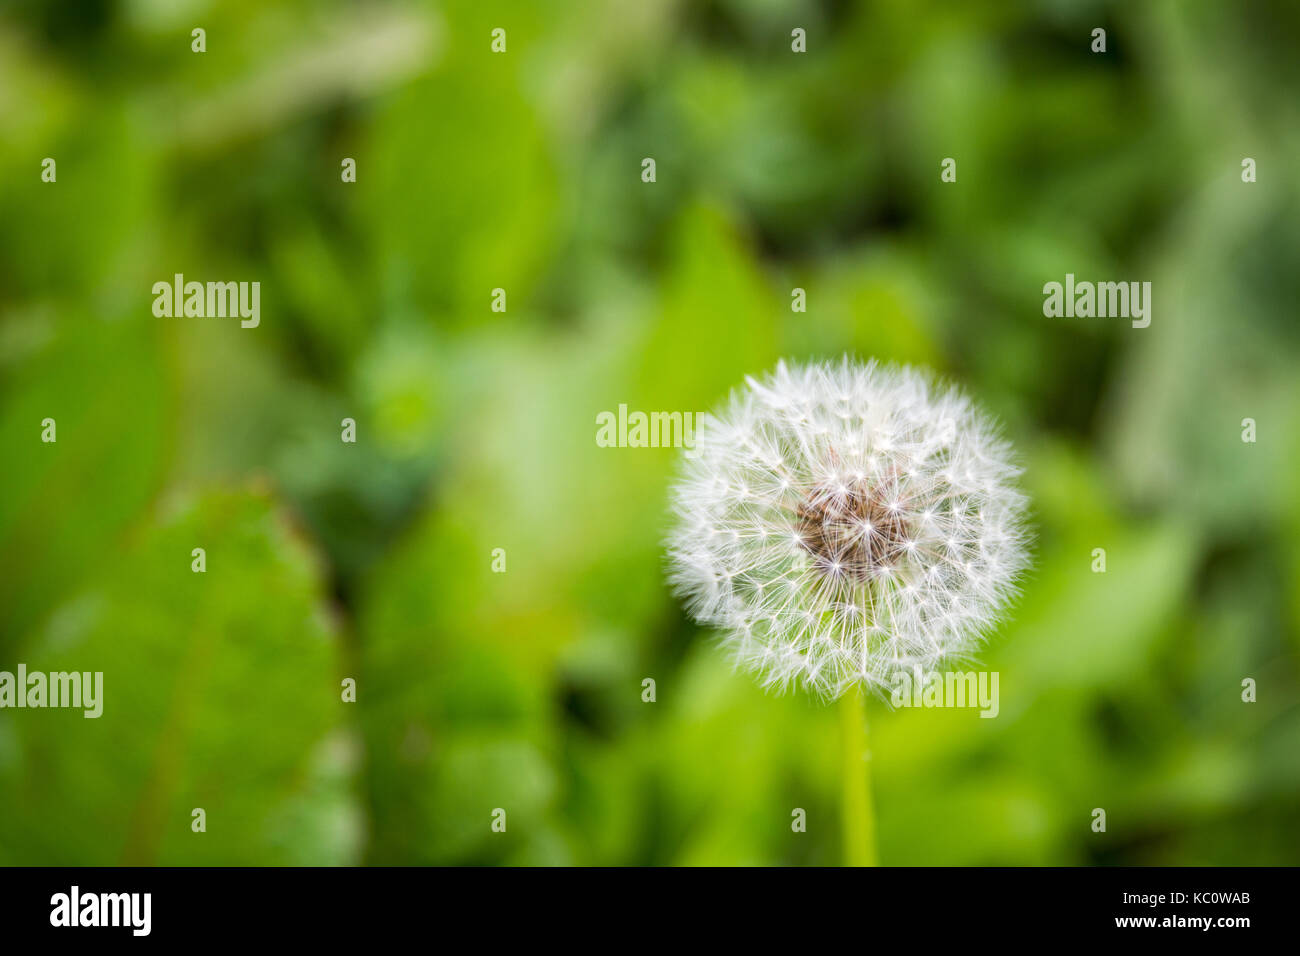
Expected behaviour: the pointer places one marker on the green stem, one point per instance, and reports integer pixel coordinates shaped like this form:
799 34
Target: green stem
859 815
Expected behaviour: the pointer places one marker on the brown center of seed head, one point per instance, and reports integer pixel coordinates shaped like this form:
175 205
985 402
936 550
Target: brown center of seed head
849 529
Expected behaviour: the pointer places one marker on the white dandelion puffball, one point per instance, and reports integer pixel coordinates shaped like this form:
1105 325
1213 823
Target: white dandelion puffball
842 524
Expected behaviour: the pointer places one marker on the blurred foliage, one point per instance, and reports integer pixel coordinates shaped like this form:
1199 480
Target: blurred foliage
521 171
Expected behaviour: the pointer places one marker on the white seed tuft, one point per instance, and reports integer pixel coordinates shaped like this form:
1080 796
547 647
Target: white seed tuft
842 523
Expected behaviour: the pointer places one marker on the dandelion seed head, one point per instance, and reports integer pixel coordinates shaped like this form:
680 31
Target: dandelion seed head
868 524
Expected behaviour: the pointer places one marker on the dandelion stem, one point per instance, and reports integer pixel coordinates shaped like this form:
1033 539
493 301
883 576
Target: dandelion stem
859 816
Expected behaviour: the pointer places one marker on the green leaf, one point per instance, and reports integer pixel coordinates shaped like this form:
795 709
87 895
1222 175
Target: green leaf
220 691
66 502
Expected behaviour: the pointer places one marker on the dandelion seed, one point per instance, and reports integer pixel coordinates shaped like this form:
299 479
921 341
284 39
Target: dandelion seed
875 509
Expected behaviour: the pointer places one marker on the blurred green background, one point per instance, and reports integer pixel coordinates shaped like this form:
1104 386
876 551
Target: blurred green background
522 171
